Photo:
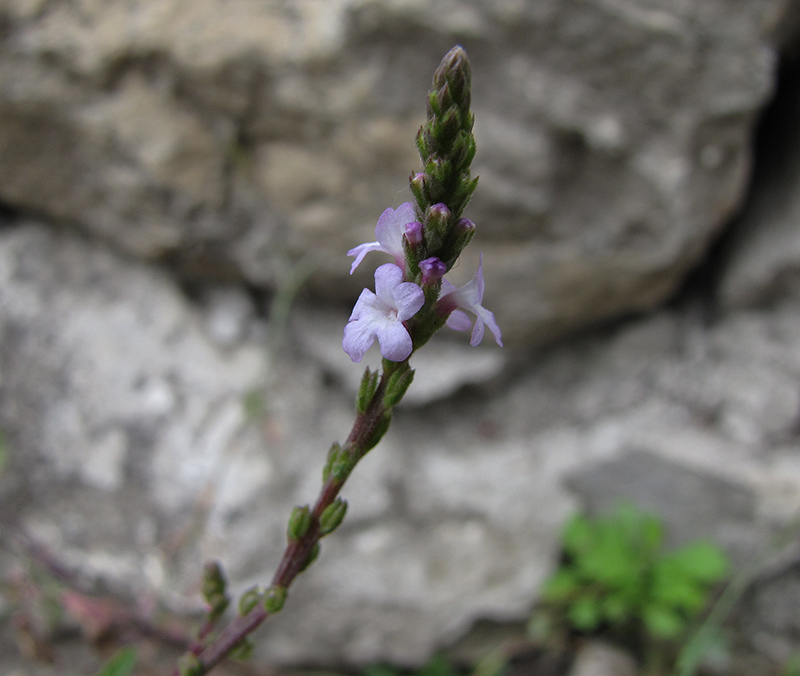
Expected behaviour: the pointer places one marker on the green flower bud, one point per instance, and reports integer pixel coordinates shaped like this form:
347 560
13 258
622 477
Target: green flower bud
299 523
214 589
189 665
333 453
398 383
377 433
244 650
332 516
214 582
250 599
419 187
338 465
274 599
366 391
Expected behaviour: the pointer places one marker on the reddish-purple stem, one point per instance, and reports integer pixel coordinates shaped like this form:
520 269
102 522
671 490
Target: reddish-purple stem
297 552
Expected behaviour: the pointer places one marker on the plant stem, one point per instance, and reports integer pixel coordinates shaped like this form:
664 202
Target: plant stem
446 146
297 553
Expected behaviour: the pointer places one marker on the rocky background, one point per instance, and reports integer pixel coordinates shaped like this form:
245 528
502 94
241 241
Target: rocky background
179 183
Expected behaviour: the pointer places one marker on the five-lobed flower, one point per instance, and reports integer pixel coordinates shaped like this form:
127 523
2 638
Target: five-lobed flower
380 316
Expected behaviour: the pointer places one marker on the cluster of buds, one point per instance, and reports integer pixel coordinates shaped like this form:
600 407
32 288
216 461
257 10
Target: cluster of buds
412 299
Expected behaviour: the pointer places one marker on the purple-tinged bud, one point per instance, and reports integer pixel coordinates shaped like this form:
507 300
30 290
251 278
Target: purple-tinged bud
464 230
432 269
464 226
437 224
419 186
414 233
438 214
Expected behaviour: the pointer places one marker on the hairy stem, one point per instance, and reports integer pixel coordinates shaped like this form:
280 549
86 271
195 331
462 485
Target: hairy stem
297 553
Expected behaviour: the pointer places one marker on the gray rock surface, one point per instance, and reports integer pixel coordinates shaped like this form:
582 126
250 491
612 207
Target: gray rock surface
177 167
137 452
225 136
601 659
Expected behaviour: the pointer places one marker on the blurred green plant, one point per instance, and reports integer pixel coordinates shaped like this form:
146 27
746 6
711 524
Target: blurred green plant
494 664
438 665
617 579
792 666
121 663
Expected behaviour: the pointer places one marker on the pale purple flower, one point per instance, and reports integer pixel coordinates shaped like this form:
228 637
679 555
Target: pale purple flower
389 232
469 297
381 315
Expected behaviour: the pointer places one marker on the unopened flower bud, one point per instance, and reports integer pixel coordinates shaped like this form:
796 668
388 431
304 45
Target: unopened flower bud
214 589
396 386
299 523
250 599
419 187
377 432
332 516
274 599
312 556
438 213
189 665
464 226
366 391
432 270
414 233
244 650
437 222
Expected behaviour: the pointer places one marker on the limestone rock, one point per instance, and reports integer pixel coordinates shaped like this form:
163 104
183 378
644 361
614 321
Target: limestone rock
601 659
140 446
224 136
762 259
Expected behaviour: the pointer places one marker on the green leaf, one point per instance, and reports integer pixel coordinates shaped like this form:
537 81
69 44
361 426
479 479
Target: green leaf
709 646
663 622
439 665
617 608
672 587
121 663
380 670
611 562
652 535
703 561
585 614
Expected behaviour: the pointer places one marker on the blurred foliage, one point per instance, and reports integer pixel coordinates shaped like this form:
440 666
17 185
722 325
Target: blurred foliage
617 580
121 663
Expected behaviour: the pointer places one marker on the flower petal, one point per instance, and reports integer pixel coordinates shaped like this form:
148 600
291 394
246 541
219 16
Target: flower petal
408 299
387 277
469 297
458 321
360 251
395 341
487 318
358 337
392 226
